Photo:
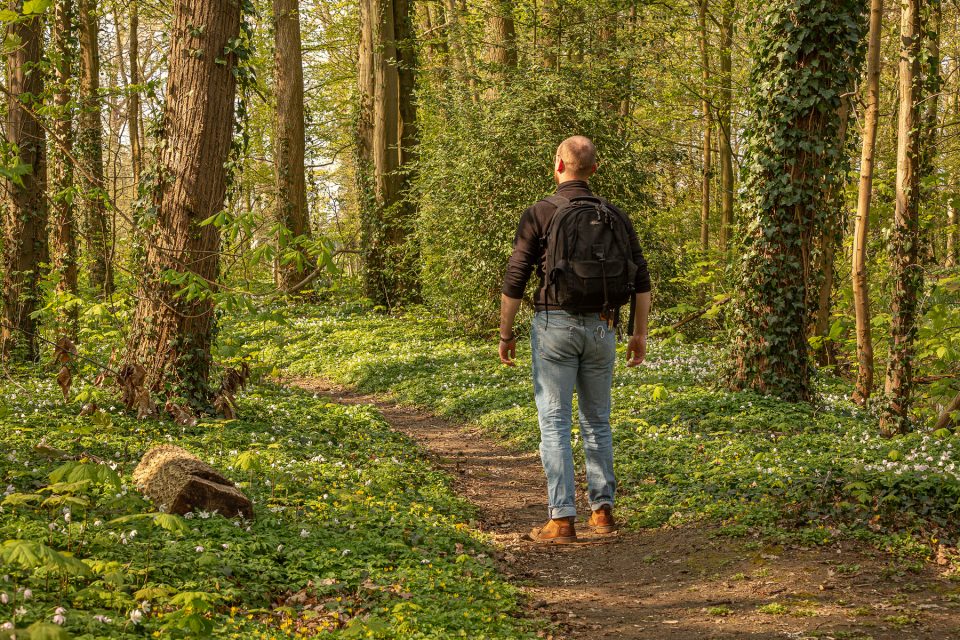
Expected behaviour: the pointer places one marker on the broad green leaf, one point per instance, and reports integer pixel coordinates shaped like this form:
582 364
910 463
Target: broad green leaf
80 471
47 631
171 522
67 487
154 592
34 7
28 554
20 499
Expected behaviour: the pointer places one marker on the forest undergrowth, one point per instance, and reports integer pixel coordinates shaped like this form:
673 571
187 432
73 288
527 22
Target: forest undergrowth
687 451
354 534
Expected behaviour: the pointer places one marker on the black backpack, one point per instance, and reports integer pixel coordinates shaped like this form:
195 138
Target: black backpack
589 264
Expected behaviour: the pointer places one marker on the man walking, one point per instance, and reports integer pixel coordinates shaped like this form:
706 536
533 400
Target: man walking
588 258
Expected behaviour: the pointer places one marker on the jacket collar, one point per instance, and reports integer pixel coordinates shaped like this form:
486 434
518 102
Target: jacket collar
574 185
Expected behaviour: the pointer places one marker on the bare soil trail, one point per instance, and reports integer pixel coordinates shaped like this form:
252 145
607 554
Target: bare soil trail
672 583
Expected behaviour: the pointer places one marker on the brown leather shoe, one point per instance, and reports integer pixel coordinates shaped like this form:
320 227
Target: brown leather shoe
556 531
601 521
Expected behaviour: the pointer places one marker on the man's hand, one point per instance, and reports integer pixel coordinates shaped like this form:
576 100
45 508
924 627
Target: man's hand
508 351
636 350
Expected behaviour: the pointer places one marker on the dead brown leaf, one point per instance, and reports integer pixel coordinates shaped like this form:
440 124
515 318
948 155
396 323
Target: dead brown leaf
89 409
65 351
65 380
143 403
131 379
224 405
180 414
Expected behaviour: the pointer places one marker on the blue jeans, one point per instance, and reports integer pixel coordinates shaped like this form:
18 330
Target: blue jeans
574 351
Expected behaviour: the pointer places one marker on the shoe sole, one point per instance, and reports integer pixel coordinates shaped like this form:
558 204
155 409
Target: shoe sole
605 529
563 540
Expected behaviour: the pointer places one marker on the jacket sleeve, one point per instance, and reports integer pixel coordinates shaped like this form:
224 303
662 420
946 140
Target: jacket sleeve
526 254
642 282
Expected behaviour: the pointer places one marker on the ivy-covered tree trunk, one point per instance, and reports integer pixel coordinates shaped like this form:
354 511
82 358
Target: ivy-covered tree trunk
804 58
25 213
63 235
387 142
289 143
861 292
905 269
171 334
98 226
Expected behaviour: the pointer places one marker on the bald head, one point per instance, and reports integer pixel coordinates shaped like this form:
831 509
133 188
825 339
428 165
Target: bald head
576 159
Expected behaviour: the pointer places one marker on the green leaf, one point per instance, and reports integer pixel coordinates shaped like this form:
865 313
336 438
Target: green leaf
80 471
195 600
28 554
171 522
34 7
67 487
47 631
894 455
154 592
66 501
168 521
248 461
21 499
8 16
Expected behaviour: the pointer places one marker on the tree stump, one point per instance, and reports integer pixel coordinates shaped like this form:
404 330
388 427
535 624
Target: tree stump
179 482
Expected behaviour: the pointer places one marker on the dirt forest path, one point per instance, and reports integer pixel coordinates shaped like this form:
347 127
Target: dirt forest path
672 583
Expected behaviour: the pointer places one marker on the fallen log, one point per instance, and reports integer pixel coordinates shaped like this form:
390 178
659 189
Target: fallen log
946 417
179 482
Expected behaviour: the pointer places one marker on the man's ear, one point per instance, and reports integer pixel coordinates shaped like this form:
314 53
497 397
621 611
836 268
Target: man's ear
593 169
560 167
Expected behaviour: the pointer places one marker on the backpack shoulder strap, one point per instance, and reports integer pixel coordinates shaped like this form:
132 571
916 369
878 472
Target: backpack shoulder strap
557 200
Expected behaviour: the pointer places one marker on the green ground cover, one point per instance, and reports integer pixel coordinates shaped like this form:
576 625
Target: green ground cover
354 534
686 450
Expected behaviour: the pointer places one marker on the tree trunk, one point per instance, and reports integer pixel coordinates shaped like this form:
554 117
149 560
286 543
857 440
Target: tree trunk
627 89
63 235
171 334
549 42
953 233
831 238
289 142
953 228
725 125
501 49
861 293
930 130
707 128
133 100
388 134
946 418
406 86
905 237
787 185
25 214
97 225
